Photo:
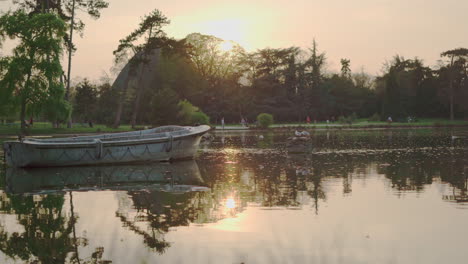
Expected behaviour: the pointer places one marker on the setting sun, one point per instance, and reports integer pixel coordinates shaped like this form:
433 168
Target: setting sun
226 46
227 29
230 203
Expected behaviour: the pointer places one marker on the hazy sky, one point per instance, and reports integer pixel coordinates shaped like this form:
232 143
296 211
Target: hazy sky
367 32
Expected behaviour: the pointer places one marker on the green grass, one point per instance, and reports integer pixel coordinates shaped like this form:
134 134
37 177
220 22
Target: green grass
43 128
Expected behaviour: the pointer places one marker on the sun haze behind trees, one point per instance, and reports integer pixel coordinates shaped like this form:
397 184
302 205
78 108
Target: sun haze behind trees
221 79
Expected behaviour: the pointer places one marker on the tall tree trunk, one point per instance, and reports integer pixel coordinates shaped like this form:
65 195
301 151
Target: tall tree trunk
136 106
23 104
451 88
451 101
140 89
118 114
23 116
139 92
67 94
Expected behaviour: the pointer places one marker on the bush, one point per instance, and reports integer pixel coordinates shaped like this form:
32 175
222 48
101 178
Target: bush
342 120
264 120
374 118
200 118
191 115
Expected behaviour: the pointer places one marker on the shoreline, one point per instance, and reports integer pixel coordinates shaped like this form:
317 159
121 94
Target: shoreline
338 127
279 127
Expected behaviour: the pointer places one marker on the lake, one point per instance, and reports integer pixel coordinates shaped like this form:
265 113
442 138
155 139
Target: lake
354 196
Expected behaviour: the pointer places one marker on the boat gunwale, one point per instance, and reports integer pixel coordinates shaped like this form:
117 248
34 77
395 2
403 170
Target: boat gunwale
135 140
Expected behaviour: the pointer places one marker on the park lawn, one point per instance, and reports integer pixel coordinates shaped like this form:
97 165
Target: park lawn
44 128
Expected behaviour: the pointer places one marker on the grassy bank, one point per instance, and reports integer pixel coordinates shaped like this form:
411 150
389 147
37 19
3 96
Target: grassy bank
42 128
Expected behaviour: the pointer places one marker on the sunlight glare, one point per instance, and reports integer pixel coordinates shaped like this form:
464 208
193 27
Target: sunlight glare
226 46
230 203
227 29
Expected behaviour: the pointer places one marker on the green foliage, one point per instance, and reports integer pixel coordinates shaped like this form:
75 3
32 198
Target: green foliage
31 77
164 107
57 110
374 118
265 120
200 118
151 24
63 9
141 52
191 115
106 101
85 103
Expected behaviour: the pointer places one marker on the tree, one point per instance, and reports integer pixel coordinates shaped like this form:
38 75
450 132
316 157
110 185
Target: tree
164 105
32 75
63 8
105 103
345 68
152 26
219 63
457 73
66 10
85 101
316 96
214 58
265 120
191 115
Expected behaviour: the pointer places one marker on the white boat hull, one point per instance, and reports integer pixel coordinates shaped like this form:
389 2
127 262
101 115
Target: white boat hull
130 147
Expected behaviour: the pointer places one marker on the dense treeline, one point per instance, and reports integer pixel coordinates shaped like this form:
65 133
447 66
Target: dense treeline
165 81
226 81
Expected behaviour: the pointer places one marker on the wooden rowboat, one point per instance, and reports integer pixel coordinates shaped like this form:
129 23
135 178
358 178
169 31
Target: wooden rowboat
157 144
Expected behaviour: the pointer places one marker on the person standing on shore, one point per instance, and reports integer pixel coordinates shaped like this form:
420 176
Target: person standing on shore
222 122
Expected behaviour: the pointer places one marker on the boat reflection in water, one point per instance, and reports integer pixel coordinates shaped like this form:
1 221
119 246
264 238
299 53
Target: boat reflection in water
51 205
183 176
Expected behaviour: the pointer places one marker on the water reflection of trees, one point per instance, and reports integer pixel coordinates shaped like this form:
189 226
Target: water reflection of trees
48 234
266 178
281 179
158 212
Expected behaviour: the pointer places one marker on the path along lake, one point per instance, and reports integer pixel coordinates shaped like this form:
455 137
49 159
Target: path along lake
356 196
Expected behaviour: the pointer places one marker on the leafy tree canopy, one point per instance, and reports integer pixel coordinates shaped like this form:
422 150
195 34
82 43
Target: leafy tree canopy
32 74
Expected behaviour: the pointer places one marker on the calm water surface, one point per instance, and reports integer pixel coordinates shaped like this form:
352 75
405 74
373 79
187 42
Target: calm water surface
396 196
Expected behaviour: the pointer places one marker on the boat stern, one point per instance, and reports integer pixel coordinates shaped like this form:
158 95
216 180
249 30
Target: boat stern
16 155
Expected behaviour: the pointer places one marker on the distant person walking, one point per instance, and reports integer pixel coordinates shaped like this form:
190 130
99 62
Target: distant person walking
222 122
308 120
